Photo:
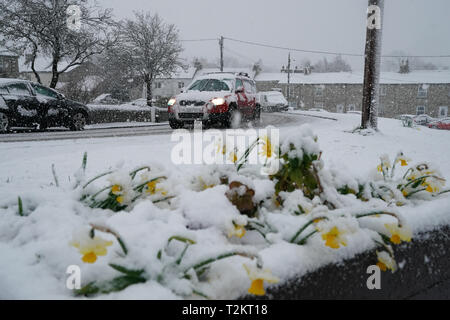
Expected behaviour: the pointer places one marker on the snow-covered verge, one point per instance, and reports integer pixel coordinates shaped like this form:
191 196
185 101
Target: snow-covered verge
172 219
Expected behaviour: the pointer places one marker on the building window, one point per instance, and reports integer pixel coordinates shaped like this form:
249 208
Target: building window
180 85
420 110
351 107
443 112
340 108
158 85
423 91
2 68
383 91
319 91
380 109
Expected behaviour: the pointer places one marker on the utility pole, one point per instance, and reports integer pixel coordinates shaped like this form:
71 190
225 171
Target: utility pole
221 53
289 78
370 102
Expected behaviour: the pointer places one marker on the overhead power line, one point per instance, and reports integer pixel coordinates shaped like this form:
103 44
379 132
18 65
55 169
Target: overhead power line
330 52
198 40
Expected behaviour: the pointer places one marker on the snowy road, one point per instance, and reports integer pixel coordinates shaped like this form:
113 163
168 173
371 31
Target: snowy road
100 131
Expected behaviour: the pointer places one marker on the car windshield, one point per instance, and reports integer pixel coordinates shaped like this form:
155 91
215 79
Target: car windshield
275 98
211 85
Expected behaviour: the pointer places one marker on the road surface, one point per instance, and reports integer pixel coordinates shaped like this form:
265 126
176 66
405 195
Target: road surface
273 119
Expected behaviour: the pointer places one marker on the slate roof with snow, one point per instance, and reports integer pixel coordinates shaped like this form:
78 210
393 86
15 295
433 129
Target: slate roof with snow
415 77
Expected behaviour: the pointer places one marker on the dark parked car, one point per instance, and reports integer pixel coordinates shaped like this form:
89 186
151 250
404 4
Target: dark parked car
27 104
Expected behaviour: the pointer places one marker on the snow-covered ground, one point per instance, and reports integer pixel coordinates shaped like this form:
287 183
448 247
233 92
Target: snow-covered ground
35 250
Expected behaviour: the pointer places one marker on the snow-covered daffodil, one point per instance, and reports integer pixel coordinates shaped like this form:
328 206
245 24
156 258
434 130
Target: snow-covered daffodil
334 238
385 262
258 276
398 234
91 248
233 157
116 190
402 159
151 188
267 147
237 231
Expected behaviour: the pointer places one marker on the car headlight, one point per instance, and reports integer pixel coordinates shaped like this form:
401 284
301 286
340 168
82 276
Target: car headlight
218 101
171 102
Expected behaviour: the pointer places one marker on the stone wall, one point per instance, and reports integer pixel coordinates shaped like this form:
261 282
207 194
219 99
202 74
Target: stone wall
395 99
423 274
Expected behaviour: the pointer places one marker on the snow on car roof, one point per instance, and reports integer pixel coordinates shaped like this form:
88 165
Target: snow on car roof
9 80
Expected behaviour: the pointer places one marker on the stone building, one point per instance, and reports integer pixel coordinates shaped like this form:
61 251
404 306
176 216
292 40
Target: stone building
412 93
9 64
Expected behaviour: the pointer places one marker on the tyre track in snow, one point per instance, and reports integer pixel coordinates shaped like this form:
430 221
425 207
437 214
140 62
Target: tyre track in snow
273 119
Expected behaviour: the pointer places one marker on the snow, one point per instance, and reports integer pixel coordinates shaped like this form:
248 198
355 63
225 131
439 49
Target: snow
35 248
415 77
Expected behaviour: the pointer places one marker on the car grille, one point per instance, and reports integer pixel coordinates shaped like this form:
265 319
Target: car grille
197 115
192 103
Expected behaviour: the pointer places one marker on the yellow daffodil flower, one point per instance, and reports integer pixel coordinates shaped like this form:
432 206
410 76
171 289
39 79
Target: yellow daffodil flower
405 193
120 199
258 276
233 157
334 238
267 148
151 188
116 190
385 262
91 248
398 234
238 231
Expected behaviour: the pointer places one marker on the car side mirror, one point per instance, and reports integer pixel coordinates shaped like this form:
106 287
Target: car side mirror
240 90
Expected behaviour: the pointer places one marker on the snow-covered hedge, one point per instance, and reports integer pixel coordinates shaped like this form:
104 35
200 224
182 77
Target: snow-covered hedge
219 231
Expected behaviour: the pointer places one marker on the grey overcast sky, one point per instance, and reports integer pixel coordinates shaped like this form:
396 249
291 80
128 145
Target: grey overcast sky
417 27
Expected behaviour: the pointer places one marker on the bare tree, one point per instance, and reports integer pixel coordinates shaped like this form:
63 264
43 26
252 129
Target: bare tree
153 47
41 28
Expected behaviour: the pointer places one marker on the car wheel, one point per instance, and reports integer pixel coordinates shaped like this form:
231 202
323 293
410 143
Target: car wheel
4 123
78 122
257 116
234 119
174 124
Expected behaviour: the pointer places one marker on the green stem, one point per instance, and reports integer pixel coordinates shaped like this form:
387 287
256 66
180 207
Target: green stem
303 240
97 177
445 191
303 228
220 257
133 173
414 192
55 177
363 215
102 190
19 201
178 261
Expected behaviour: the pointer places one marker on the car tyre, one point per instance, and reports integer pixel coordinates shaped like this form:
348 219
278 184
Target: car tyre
257 116
234 119
78 122
174 124
4 123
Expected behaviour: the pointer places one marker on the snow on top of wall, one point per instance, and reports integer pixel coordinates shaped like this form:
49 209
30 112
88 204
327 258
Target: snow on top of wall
357 77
